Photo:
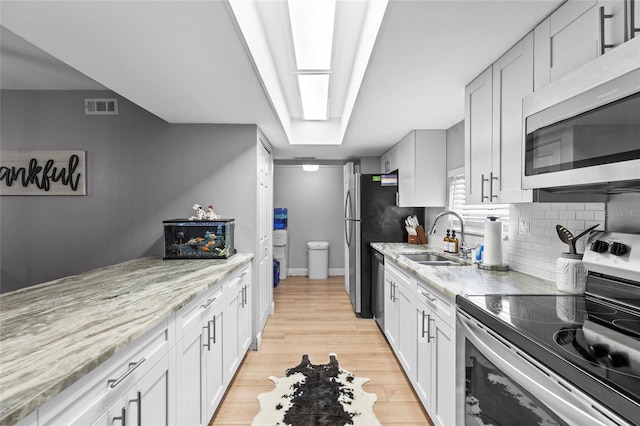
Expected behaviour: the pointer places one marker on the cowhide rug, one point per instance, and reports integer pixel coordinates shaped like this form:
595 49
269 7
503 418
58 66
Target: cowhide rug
317 395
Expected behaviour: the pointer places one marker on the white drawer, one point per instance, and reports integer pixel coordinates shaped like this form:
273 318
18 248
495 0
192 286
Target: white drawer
439 304
191 314
103 385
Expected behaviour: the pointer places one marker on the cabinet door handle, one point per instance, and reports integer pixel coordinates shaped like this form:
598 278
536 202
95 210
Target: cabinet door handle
603 44
244 296
632 19
213 322
482 196
132 366
208 342
122 417
428 296
208 302
138 400
423 317
491 179
429 336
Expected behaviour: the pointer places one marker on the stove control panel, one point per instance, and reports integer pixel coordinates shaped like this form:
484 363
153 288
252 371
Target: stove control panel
615 248
615 254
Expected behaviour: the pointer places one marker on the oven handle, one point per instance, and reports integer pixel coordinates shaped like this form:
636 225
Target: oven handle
568 404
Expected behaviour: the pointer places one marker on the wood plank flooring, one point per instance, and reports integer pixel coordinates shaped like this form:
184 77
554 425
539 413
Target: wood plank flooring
315 317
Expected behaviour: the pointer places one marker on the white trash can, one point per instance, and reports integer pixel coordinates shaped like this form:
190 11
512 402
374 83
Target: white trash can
318 254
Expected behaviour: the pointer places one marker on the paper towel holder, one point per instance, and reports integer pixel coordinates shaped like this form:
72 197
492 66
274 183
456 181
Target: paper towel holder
493 267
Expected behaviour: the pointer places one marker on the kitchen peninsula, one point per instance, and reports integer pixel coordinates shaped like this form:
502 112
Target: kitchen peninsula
57 334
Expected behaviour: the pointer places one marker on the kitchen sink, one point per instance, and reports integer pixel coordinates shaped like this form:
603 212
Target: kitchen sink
430 259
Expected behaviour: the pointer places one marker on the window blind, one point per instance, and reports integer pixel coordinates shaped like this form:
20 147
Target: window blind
474 216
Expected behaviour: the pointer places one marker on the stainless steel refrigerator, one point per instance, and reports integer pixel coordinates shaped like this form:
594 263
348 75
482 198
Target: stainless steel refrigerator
371 215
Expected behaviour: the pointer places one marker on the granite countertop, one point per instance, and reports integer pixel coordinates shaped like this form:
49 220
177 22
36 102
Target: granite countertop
54 333
464 279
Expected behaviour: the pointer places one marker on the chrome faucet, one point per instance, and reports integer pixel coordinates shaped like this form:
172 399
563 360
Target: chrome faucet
464 252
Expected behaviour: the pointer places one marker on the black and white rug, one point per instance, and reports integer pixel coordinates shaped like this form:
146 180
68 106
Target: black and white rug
317 395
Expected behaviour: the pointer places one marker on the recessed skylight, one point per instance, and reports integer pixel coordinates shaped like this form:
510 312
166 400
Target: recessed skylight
312 30
314 93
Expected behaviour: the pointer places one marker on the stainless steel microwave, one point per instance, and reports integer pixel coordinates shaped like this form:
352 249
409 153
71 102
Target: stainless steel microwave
589 140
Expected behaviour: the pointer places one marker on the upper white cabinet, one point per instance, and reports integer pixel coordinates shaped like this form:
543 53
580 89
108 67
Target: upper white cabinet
421 160
578 32
493 128
390 160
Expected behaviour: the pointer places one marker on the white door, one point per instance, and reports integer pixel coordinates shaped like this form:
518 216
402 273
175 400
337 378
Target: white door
265 227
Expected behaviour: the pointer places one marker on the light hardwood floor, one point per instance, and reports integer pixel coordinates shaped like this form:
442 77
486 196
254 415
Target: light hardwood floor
315 317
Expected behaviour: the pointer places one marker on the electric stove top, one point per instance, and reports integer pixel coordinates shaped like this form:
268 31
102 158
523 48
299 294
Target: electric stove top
590 340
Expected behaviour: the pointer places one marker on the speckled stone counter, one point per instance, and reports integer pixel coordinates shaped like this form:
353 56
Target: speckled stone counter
464 279
54 333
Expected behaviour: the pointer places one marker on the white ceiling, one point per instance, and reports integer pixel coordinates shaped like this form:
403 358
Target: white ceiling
187 61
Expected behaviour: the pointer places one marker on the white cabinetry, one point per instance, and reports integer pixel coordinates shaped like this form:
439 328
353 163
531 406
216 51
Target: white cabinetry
236 325
578 32
420 158
390 161
199 358
112 389
420 327
398 317
435 368
493 128
392 277
174 374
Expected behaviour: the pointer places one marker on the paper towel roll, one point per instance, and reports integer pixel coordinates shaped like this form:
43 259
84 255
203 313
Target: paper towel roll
492 243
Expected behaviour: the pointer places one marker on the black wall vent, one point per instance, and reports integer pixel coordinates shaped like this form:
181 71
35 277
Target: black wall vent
101 106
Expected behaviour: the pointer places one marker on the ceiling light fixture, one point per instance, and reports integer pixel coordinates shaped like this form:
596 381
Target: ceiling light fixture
310 167
314 93
312 24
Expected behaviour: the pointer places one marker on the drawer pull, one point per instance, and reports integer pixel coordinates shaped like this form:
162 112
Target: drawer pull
242 274
208 302
132 366
428 296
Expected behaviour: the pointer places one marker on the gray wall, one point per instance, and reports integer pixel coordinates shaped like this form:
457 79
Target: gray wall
140 171
314 201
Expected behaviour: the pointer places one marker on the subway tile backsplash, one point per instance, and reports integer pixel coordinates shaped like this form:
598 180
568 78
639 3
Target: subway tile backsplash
535 252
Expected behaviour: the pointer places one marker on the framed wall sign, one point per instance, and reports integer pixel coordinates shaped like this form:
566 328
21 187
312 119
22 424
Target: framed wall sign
43 173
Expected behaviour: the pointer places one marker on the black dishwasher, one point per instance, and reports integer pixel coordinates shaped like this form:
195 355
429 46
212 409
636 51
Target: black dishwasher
377 287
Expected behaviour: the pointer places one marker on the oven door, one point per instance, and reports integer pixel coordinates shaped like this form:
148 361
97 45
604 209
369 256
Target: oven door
498 384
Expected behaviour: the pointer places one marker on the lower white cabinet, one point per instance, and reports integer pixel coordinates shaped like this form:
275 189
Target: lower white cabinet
419 323
398 316
236 324
112 388
176 373
435 381
199 360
